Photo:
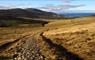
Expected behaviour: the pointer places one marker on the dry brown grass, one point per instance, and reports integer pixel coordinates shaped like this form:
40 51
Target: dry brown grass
13 37
76 36
9 34
70 22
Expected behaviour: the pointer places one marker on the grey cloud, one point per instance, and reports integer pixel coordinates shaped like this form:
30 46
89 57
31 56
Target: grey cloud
60 7
4 7
65 1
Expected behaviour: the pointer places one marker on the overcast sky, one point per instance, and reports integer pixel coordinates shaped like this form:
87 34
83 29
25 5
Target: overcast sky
51 5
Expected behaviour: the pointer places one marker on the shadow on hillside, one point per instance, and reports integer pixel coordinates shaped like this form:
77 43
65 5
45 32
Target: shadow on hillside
61 52
14 22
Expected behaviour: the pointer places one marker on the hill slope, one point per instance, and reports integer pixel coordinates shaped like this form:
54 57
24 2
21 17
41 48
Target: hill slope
29 12
76 37
58 40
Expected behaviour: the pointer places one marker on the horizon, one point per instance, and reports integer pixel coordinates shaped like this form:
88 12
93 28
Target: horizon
58 6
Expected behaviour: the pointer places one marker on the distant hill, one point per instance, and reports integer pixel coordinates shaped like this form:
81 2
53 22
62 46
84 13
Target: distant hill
29 12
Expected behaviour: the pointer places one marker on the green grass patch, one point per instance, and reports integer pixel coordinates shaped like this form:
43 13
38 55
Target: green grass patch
7 23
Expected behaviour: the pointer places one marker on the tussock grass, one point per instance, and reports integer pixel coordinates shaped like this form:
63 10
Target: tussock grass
77 36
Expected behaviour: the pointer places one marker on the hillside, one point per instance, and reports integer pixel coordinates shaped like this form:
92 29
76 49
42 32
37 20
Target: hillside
69 39
29 12
23 17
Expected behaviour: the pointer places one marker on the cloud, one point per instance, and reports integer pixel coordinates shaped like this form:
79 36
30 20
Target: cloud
65 6
65 1
15 6
59 7
4 7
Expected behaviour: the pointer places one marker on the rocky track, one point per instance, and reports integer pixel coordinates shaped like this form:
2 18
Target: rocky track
26 49
29 50
71 41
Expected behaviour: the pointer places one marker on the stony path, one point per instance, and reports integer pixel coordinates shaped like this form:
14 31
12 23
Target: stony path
30 51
